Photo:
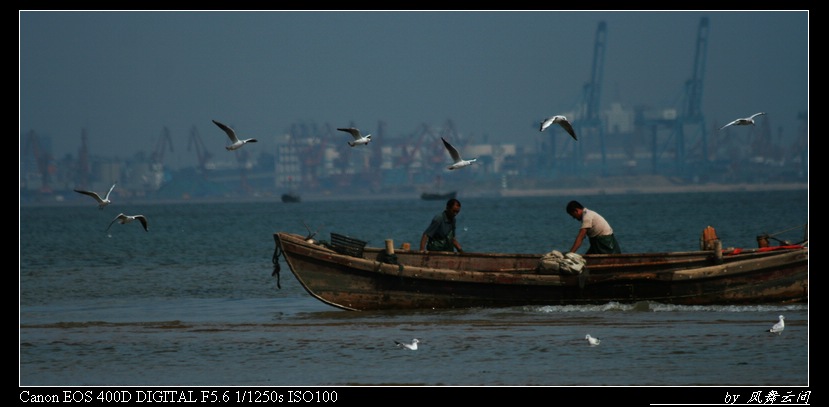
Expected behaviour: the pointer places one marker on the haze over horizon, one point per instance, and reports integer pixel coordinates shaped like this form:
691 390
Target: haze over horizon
124 76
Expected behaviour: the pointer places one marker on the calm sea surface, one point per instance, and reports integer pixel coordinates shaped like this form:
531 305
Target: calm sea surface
193 303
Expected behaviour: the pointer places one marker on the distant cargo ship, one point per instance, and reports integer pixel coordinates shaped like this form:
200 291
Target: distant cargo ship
431 196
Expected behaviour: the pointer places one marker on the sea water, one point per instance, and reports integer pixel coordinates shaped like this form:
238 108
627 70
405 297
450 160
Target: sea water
193 302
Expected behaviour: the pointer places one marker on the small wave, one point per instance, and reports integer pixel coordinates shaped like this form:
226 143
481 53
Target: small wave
648 306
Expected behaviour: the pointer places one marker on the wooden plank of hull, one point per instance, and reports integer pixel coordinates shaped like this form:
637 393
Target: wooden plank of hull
446 280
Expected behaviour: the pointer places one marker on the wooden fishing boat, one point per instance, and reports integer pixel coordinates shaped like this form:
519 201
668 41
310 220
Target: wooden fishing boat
346 274
436 196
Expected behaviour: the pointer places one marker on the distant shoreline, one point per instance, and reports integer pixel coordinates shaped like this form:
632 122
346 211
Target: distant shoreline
655 189
619 189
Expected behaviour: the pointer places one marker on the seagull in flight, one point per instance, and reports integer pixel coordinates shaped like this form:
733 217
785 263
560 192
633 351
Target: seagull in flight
779 326
101 202
236 142
358 139
562 121
412 346
456 157
124 219
743 121
592 341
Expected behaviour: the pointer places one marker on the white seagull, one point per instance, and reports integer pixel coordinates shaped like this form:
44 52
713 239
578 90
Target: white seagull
236 142
743 121
358 139
562 121
456 157
779 326
412 346
124 219
591 340
101 202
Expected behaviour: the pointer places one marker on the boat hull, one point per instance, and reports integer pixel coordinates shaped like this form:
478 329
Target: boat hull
412 280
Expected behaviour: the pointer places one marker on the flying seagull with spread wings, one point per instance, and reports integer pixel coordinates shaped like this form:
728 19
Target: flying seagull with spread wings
358 138
562 121
458 162
745 121
236 143
124 219
102 202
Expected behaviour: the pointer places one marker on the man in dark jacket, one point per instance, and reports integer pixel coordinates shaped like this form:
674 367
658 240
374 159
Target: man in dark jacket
440 235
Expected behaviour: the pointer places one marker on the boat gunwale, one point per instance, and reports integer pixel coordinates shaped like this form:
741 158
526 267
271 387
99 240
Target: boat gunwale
533 276
361 284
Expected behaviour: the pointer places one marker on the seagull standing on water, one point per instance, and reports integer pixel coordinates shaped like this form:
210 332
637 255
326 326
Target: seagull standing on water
101 202
411 346
456 157
236 143
743 121
592 341
124 219
562 121
358 139
779 326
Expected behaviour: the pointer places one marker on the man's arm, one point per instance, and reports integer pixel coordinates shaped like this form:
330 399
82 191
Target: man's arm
579 239
423 240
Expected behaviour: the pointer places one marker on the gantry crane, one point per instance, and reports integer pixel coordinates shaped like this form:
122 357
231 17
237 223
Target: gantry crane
195 142
691 109
163 141
589 121
688 114
410 151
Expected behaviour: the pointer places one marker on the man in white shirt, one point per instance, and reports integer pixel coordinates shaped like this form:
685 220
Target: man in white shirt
595 227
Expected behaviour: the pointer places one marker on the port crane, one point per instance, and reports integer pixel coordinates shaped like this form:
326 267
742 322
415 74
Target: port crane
690 113
164 142
589 121
195 143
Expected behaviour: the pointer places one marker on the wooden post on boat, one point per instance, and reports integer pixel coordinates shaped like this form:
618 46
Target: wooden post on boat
718 251
389 256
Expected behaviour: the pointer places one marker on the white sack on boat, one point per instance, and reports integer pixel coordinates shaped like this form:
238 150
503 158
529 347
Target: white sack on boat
555 261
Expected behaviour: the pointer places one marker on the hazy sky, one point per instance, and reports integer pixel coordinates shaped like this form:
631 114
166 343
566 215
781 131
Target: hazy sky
124 76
